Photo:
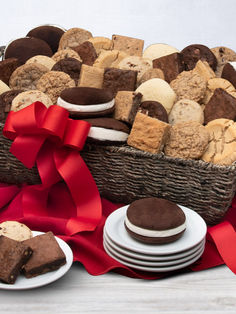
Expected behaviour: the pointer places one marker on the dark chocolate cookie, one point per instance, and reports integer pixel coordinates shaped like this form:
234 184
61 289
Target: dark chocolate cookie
229 73
154 109
7 67
27 47
192 53
70 66
6 101
49 33
87 52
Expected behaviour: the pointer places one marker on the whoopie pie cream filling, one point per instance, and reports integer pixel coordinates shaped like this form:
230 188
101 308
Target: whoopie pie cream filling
103 134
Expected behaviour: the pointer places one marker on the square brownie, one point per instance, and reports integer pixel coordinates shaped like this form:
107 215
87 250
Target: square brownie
47 256
13 256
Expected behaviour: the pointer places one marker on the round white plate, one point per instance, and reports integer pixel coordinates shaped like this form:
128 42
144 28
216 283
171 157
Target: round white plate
155 269
23 283
152 263
195 232
154 258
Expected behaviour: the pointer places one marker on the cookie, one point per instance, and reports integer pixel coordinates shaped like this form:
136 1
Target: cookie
156 51
229 73
155 221
44 60
222 146
25 48
204 70
87 101
107 131
154 109
171 65
186 110
49 33
6 101
70 66
223 56
126 106
15 230
189 85
116 80
26 76
150 74
87 52
220 105
66 53
25 99
148 134
188 140
101 43
73 37
109 58
91 76
3 87
192 53
158 90
53 83
131 46
135 63
7 67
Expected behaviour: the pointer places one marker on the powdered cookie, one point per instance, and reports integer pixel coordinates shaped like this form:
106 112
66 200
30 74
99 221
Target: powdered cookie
6 101
222 145
3 87
53 83
110 58
186 110
150 74
70 66
215 83
155 51
26 76
158 90
73 38
187 140
223 55
44 60
101 43
7 67
66 53
129 45
135 63
15 230
25 99
189 85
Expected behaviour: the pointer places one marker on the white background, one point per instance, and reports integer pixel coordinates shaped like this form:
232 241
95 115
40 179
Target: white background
175 22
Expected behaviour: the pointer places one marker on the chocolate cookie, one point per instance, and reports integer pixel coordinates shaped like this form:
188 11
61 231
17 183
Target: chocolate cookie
49 33
192 53
107 131
87 101
70 66
220 105
6 101
7 67
87 52
154 109
155 220
25 48
229 73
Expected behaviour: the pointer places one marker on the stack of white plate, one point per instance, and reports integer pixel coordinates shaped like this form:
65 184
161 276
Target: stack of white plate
154 257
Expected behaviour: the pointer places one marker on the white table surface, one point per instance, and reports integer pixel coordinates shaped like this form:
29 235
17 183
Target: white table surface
210 291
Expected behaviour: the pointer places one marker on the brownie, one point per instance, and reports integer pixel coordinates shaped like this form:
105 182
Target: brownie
7 67
154 109
6 99
13 256
171 65
229 74
117 79
70 66
87 52
48 255
220 105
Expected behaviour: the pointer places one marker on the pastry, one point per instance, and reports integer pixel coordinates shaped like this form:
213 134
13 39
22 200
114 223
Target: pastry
148 134
229 73
156 51
87 52
204 70
66 53
155 221
25 99
70 66
15 230
91 76
135 63
101 43
151 73
223 56
131 46
154 109
44 60
73 37
6 101
158 90
3 87
109 58
7 67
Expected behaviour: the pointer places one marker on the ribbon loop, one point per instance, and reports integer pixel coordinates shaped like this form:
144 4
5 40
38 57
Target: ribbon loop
76 134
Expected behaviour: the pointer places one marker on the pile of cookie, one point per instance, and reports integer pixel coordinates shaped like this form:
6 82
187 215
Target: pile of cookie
158 99
21 252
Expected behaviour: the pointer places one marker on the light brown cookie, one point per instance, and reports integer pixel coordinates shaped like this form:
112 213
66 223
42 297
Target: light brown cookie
189 85
101 43
26 76
135 63
66 53
150 74
129 45
222 146
25 99
186 110
91 76
156 51
15 230
204 70
44 60
187 140
3 87
53 83
223 56
73 38
109 59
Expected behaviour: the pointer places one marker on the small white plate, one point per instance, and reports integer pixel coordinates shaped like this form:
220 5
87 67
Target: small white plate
154 258
23 283
152 263
155 269
195 232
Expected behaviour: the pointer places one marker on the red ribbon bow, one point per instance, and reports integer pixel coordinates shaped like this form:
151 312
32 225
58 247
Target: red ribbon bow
50 139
